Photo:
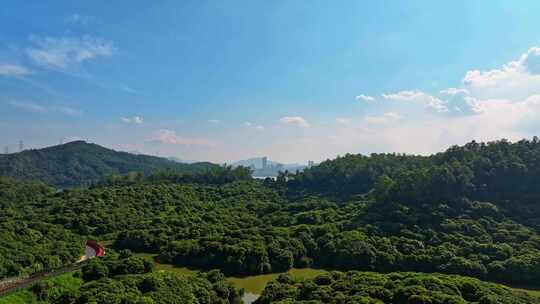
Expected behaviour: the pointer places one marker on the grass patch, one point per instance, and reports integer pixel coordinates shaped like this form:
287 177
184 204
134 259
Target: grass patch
256 284
253 284
61 284
532 292
20 297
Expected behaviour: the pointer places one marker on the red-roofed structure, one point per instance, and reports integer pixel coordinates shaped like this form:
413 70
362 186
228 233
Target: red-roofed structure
100 251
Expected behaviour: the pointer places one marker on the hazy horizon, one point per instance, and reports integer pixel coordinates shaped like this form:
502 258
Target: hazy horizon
226 81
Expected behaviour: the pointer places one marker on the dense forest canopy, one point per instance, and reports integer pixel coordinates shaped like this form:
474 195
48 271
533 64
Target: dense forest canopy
120 278
503 173
393 288
80 164
471 210
27 243
496 170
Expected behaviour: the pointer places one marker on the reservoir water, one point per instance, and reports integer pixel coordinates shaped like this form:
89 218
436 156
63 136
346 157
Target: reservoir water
252 285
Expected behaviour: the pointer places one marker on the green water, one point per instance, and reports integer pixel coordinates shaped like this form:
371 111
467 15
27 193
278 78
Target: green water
255 284
251 284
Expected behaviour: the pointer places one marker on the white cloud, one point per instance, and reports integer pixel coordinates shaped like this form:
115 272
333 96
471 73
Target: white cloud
514 80
296 121
456 115
65 52
476 78
431 103
382 119
29 106
436 105
251 125
138 120
456 101
531 60
501 103
423 133
363 97
170 137
129 89
460 102
214 121
454 91
13 70
405 96
528 63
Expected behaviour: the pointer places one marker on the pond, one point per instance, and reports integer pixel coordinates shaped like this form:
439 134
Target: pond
253 285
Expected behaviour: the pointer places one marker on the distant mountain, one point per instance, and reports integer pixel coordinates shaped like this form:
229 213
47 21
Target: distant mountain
79 163
272 168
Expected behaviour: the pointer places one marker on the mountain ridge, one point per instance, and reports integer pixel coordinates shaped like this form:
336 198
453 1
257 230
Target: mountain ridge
79 163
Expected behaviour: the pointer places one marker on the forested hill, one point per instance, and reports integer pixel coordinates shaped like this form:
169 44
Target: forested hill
498 170
79 163
503 173
472 210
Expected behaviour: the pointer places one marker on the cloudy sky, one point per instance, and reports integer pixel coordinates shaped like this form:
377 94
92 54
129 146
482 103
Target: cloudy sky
293 80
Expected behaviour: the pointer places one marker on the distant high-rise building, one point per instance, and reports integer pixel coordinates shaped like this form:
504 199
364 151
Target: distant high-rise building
21 146
6 150
264 162
311 163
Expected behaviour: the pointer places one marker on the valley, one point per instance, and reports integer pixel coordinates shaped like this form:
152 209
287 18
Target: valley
458 214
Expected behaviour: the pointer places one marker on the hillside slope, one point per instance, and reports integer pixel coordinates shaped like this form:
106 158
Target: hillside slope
79 163
471 210
500 172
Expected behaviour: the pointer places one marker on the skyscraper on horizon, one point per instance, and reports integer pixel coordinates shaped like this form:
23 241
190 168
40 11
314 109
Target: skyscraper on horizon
264 162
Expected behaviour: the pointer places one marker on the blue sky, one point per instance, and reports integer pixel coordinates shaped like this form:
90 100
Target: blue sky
293 80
